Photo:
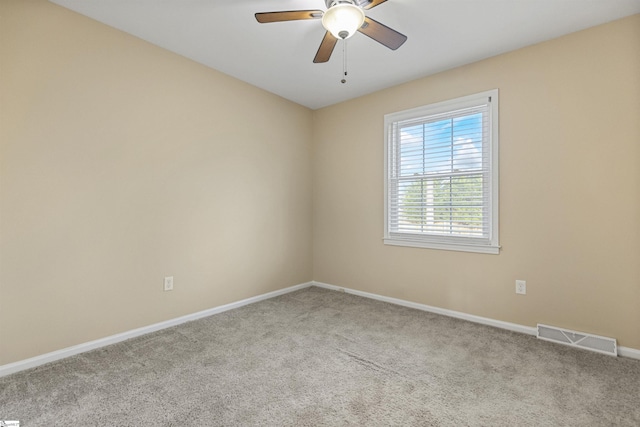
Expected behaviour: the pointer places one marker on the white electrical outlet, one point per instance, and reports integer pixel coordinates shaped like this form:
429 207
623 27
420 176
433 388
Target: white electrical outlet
521 287
168 283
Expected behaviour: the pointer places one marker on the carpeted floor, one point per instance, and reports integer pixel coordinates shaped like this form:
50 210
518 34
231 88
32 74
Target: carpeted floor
322 358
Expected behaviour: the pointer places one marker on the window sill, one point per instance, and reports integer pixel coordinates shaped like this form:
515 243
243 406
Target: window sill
483 249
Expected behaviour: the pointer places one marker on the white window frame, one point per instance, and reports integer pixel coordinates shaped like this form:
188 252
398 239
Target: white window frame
488 245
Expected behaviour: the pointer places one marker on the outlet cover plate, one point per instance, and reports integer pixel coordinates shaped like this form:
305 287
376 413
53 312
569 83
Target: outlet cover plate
168 283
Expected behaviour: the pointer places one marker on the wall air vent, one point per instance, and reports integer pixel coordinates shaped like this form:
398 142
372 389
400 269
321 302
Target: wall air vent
583 340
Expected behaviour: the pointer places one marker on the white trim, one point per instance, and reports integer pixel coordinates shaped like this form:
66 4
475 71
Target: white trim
32 362
629 352
445 312
488 245
482 249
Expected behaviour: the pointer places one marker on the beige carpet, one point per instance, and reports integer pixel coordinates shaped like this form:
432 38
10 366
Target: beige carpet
322 358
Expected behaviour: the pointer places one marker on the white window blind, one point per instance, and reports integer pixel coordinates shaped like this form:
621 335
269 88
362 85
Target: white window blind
441 177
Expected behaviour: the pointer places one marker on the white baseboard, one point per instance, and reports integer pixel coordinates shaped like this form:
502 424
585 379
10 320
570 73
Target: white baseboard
450 313
622 351
629 352
92 345
113 339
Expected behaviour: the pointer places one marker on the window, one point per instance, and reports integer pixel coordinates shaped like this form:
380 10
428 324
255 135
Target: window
441 181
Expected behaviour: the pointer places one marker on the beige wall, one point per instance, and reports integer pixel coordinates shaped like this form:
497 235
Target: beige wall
122 163
569 189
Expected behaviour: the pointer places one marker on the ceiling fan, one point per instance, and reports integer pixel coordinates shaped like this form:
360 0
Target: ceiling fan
342 19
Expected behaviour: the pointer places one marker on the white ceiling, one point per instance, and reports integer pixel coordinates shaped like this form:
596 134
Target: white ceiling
277 57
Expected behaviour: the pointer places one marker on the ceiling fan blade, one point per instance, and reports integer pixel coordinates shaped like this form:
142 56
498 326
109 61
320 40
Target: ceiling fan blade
326 48
370 4
292 15
382 34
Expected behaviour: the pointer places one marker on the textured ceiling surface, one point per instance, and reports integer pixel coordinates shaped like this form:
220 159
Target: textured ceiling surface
277 57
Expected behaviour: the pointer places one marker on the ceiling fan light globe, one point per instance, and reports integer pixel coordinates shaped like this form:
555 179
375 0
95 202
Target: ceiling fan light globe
343 20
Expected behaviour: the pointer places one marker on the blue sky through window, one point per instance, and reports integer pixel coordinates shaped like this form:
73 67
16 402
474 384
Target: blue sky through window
442 146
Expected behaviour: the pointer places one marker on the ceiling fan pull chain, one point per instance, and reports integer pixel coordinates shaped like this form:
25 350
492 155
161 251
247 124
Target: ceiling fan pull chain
344 61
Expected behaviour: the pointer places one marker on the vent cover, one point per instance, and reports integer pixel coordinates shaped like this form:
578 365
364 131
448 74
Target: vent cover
591 342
